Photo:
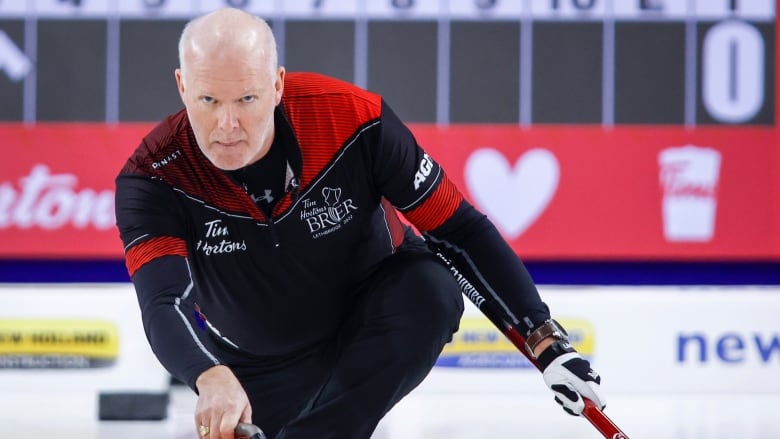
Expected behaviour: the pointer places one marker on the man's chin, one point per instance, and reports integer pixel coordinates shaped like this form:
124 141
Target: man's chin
228 163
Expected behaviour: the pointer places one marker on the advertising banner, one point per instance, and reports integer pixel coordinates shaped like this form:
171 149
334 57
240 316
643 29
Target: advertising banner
576 192
642 340
79 354
554 192
611 130
85 338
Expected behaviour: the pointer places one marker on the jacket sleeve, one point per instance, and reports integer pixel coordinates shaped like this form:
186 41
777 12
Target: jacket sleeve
418 187
157 259
170 320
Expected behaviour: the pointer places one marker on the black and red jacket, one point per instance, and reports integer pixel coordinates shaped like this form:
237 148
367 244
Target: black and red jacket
204 257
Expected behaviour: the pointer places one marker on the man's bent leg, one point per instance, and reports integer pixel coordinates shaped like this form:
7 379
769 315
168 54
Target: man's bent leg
406 315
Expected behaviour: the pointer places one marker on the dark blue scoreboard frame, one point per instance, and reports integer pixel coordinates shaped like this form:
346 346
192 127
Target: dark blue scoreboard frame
546 273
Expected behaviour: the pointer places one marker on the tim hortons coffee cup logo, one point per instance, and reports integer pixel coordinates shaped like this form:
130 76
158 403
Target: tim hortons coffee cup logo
689 181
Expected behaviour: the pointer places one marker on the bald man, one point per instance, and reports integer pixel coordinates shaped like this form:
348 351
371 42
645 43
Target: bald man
272 272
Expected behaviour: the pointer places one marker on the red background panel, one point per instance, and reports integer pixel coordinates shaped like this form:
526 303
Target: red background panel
80 159
606 204
608 201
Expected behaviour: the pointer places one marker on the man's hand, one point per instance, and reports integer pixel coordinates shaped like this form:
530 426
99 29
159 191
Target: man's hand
222 404
570 377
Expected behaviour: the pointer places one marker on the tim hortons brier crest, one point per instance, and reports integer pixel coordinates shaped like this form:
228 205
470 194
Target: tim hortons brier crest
327 216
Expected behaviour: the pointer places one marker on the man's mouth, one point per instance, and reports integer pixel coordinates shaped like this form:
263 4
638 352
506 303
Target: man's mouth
231 143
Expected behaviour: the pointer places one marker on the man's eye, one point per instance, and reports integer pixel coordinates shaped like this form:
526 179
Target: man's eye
248 99
207 99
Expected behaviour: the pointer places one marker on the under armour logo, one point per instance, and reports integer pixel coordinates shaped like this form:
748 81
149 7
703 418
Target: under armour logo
268 198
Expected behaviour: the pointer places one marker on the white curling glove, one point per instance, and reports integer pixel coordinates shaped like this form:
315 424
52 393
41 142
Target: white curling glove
570 377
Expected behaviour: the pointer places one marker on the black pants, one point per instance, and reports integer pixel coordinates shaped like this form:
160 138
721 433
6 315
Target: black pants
402 318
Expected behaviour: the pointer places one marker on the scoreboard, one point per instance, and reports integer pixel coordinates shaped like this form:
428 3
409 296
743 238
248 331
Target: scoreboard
604 62
585 129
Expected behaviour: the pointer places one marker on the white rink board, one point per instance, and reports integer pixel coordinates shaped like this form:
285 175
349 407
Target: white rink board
135 368
636 334
654 340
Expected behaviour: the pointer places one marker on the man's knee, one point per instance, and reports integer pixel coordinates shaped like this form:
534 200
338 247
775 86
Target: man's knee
430 287
431 304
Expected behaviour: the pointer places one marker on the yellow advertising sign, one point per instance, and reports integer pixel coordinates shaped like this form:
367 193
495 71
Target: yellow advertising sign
479 344
57 343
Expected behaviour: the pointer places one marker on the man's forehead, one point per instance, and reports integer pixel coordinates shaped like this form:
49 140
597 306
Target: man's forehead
230 83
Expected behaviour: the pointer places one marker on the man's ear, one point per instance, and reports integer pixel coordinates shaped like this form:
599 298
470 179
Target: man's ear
279 84
179 82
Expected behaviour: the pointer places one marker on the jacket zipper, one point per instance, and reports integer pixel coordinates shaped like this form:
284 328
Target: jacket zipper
272 229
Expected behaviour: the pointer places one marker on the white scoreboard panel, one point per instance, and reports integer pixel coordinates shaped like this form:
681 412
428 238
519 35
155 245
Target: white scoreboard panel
607 62
402 9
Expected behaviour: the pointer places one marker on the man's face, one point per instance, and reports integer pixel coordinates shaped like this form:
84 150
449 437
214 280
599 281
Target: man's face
230 101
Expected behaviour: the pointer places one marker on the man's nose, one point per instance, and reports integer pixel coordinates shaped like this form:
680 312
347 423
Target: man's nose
228 118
